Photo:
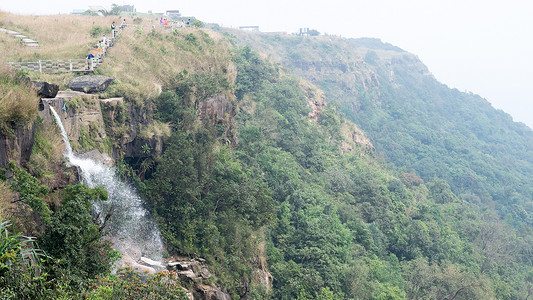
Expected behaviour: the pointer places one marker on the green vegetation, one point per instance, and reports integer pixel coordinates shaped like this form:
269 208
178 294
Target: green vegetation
405 226
18 102
20 266
75 240
162 286
96 31
336 226
30 191
274 180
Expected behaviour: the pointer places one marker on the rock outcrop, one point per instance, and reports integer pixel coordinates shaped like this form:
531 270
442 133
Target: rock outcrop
355 140
193 272
220 111
81 116
90 83
45 89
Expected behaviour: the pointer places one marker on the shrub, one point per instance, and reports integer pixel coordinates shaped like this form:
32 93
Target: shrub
30 191
128 284
18 101
96 31
197 24
20 269
155 129
75 240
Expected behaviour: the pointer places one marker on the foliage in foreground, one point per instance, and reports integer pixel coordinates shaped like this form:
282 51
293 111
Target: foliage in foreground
128 284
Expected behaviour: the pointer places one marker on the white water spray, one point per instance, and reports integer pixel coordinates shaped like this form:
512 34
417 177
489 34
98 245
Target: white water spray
130 227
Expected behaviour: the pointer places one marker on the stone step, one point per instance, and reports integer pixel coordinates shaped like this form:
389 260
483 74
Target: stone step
27 41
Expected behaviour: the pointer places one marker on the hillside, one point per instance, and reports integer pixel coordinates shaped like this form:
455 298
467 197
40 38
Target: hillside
254 161
415 121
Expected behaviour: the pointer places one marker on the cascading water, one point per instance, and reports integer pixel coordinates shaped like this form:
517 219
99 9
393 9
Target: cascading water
131 229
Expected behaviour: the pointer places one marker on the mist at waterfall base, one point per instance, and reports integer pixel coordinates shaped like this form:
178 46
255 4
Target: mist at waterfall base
130 227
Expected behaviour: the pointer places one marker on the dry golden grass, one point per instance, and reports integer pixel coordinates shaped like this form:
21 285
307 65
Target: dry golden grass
59 36
155 129
144 61
145 58
18 101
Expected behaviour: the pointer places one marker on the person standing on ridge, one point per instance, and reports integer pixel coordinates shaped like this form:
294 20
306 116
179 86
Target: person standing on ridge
123 24
113 29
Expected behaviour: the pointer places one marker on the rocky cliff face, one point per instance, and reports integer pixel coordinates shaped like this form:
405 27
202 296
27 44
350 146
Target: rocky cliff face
103 129
16 144
82 118
220 111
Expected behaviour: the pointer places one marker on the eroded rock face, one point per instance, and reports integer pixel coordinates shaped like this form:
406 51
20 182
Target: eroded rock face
16 145
45 89
220 112
209 292
194 271
90 83
79 112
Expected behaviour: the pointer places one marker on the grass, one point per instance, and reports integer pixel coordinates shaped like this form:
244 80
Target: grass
18 101
59 36
47 152
155 129
145 59
145 62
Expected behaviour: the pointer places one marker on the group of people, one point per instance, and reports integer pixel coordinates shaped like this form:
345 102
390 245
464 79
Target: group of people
103 44
181 23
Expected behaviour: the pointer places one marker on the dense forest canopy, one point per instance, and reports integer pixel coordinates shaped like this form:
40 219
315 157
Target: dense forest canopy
415 121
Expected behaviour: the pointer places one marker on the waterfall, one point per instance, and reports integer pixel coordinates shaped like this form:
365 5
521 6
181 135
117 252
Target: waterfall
130 227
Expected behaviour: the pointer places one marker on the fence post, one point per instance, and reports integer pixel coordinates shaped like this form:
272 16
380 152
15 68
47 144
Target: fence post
40 67
70 60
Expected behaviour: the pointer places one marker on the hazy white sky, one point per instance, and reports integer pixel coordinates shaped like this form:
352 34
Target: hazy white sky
481 46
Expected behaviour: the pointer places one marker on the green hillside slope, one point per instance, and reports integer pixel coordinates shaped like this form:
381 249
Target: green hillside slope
415 121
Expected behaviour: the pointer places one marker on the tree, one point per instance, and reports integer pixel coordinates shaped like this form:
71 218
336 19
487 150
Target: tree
115 10
75 239
313 32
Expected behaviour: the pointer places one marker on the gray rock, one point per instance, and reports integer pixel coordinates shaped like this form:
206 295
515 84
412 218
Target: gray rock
204 272
209 292
188 275
45 89
90 83
152 263
17 145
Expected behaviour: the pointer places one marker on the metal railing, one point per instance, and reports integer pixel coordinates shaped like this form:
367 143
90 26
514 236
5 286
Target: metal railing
56 66
67 65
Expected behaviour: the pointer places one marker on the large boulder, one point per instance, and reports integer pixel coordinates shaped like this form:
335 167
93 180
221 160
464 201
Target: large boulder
45 89
90 83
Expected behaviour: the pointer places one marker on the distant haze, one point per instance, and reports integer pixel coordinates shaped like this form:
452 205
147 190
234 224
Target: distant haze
485 47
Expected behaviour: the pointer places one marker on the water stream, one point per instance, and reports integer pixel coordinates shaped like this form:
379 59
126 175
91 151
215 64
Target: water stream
130 227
